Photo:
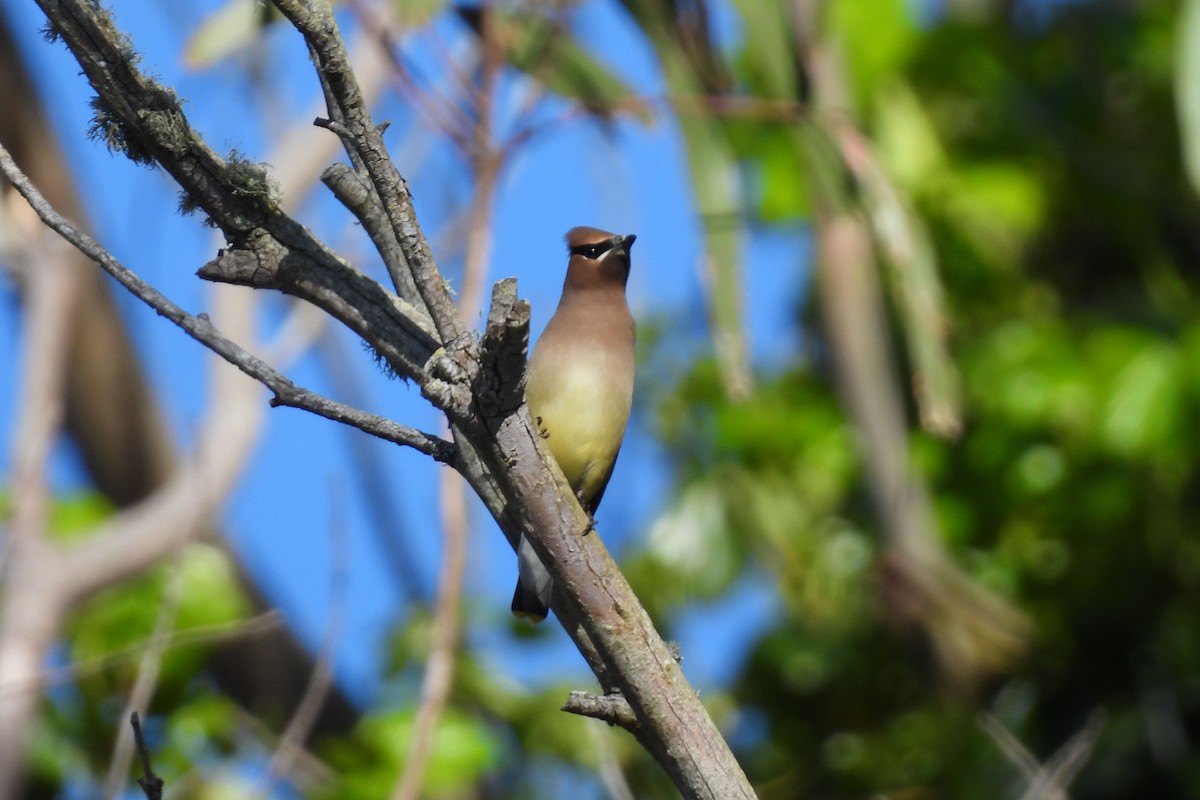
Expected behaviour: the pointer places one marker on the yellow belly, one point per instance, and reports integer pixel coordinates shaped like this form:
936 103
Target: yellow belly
584 409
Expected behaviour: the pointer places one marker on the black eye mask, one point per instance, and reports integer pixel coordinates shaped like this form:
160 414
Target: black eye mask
592 251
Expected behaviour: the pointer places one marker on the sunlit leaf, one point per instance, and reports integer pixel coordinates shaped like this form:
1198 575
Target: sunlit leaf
999 205
227 30
906 140
1143 406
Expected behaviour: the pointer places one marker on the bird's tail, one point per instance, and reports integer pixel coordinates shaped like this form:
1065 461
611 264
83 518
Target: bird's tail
531 600
527 605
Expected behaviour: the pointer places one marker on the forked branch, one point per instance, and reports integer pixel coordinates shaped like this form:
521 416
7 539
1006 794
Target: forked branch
479 385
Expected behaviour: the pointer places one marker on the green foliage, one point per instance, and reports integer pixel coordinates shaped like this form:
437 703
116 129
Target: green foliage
877 37
104 643
1044 164
367 765
121 619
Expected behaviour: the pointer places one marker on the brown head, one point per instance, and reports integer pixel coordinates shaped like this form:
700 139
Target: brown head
598 258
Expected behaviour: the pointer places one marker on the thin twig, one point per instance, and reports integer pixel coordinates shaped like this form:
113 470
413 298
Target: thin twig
356 192
302 153
447 622
291 743
1057 774
439 670
1047 781
151 784
145 683
1009 745
486 164
206 634
917 287
443 116
316 23
612 777
40 411
203 331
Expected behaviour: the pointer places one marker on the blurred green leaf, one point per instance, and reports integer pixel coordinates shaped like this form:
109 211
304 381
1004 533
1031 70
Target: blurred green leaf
768 57
75 515
877 37
780 168
998 205
906 138
1141 414
463 750
113 628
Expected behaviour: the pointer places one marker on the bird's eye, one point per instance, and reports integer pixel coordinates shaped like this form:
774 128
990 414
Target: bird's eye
591 250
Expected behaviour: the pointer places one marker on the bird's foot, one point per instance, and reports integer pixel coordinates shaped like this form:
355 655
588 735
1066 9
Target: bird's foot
541 429
591 524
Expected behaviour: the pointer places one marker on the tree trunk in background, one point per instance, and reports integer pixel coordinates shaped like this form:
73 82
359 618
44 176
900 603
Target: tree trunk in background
119 430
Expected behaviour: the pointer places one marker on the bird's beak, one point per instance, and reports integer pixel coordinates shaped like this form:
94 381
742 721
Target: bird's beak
625 242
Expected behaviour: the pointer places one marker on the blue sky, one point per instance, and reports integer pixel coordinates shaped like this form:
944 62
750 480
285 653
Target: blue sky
630 180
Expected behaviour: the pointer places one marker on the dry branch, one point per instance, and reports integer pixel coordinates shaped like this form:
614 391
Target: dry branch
478 386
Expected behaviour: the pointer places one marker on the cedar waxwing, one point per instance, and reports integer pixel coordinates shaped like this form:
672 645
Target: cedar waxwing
580 386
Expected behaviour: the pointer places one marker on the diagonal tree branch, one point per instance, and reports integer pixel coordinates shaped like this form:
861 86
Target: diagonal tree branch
479 386
144 119
202 330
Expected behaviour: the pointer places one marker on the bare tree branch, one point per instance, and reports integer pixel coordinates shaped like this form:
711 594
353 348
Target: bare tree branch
447 621
291 743
611 708
364 138
202 329
447 626
1047 781
478 386
110 409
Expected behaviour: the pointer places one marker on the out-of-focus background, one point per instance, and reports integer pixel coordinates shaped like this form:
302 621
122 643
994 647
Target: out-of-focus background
913 477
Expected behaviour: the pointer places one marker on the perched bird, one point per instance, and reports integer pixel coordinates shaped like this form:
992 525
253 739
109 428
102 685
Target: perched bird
580 386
